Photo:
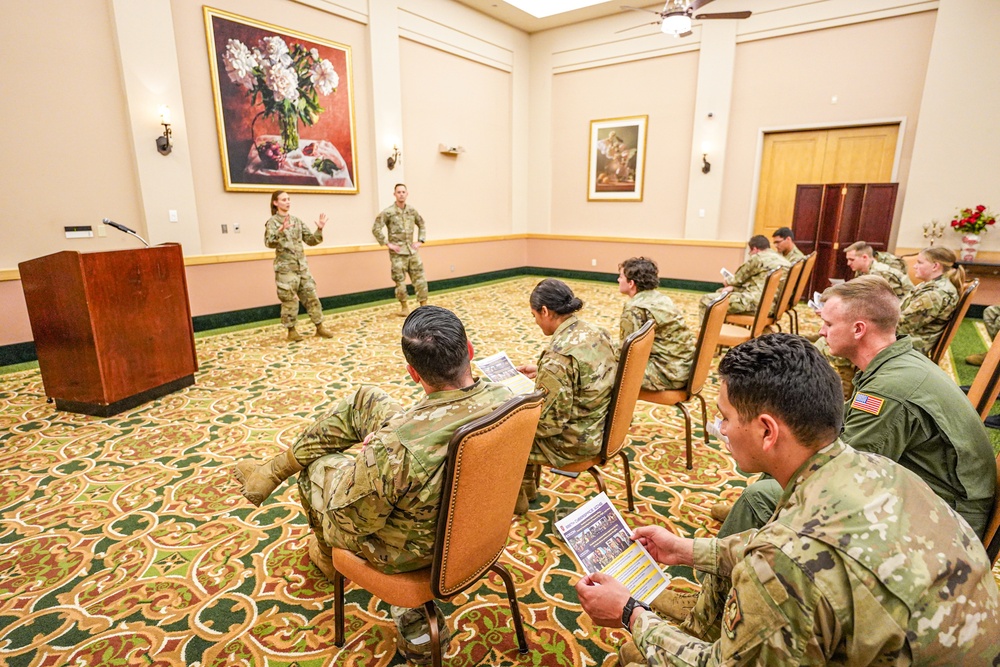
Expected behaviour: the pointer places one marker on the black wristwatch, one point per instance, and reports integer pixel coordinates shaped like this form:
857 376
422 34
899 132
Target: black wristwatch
629 608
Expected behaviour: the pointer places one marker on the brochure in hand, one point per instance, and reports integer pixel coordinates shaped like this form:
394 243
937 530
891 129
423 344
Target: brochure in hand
498 368
727 275
602 542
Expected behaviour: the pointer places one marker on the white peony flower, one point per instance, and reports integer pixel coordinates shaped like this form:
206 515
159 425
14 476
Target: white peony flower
324 77
239 63
282 81
314 53
276 51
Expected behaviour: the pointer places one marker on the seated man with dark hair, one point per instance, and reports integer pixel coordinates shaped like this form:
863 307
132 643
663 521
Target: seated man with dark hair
382 501
784 242
748 281
861 564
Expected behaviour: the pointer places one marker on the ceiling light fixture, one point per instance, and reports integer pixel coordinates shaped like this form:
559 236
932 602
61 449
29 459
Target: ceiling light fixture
676 24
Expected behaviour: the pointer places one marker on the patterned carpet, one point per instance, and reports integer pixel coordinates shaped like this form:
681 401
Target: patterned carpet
126 543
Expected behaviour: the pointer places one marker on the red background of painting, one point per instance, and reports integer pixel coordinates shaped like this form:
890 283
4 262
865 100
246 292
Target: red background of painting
334 123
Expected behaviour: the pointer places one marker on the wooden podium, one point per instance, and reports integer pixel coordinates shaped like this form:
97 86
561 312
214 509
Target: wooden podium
113 329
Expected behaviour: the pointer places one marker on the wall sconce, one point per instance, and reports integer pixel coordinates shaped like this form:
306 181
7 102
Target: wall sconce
394 158
706 166
163 141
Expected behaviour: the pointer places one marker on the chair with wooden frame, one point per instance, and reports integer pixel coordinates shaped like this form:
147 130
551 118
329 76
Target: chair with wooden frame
482 477
800 290
732 335
991 540
632 362
950 329
704 352
784 300
986 385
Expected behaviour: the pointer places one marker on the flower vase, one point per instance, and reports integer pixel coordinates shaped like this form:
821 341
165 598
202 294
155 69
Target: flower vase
970 246
289 132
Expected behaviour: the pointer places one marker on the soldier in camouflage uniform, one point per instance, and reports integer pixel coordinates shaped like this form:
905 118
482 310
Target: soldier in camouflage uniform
400 219
929 307
576 372
904 407
748 281
784 242
861 564
381 501
892 261
991 318
861 259
669 364
286 233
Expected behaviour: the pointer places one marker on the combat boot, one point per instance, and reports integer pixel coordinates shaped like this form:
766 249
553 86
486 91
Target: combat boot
322 557
293 335
260 481
404 310
720 511
413 633
674 605
323 331
975 359
521 506
812 338
424 302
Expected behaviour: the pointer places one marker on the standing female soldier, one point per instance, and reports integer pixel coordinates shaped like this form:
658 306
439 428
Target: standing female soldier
285 233
925 312
576 371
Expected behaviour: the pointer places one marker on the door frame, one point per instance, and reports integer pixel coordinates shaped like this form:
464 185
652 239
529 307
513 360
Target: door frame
759 154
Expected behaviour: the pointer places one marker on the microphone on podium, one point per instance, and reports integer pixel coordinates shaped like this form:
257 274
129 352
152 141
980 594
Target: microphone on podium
122 228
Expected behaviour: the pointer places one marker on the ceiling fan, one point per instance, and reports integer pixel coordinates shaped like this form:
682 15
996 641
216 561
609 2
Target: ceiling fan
675 18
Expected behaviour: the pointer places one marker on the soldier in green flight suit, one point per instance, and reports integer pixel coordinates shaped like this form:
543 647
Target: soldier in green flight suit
861 563
748 281
381 500
400 219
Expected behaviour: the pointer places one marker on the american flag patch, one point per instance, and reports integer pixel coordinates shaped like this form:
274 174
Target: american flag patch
867 403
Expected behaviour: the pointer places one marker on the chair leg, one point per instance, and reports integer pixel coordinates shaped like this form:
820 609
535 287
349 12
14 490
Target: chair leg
704 417
338 608
628 480
435 633
515 608
597 476
687 434
793 321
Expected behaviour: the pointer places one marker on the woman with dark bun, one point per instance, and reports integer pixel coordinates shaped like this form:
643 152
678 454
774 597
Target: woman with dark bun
576 372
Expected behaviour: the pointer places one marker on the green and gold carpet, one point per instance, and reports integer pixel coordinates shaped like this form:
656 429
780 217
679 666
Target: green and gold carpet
125 542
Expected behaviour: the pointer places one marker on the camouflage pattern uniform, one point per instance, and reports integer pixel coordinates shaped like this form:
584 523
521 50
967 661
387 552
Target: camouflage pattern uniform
793 255
576 372
861 565
748 282
291 273
400 223
991 318
924 422
892 261
926 311
673 344
898 281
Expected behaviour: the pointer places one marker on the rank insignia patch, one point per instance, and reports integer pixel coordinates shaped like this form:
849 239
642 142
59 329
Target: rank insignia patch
732 615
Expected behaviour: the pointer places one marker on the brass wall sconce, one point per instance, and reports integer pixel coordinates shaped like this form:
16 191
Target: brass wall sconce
163 141
394 158
706 166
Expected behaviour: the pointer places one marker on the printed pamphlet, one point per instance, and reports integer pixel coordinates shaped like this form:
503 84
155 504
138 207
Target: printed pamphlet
602 542
727 275
498 368
816 303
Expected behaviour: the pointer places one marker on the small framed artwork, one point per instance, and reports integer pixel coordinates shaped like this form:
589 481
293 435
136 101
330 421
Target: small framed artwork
617 159
284 106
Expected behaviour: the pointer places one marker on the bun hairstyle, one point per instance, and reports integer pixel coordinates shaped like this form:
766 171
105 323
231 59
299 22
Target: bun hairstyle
556 296
946 258
274 197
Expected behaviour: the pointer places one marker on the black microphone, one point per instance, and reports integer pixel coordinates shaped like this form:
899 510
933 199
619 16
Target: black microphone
119 227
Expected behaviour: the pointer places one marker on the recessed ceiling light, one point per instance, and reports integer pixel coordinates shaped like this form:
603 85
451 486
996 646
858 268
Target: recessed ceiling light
542 8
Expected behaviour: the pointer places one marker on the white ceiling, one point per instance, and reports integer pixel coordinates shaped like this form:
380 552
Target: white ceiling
512 16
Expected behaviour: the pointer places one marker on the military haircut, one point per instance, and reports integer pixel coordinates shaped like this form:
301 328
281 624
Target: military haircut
861 248
642 271
787 377
400 185
869 298
435 344
556 296
759 242
782 233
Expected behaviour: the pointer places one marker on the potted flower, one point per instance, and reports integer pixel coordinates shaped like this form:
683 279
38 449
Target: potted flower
970 223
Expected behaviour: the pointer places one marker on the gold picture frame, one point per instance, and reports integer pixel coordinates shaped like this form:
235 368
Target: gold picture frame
617 162
284 107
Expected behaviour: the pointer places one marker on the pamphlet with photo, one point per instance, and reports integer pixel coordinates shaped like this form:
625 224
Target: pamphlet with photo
498 368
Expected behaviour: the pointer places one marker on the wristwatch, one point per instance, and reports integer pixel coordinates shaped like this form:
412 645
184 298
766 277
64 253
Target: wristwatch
629 608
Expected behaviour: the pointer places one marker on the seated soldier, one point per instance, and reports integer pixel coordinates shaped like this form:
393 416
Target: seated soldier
904 407
861 260
673 343
381 502
991 318
748 281
926 311
892 261
861 564
784 242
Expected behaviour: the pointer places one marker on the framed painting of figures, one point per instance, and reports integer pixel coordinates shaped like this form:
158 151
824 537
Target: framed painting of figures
284 107
617 159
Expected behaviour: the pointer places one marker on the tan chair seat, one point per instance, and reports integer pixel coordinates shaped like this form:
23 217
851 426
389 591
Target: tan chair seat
582 466
740 319
408 589
733 335
666 397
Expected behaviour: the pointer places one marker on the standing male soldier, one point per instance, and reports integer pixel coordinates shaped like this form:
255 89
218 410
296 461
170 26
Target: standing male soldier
861 259
784 242
400 219
748 281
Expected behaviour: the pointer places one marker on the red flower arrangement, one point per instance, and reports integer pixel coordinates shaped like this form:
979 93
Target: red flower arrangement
973 220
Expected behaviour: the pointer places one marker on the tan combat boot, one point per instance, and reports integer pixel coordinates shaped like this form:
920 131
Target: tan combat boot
323 331
975 359
404 310
321 556
424 302
293 335
260 481
673 604
720 511
521 506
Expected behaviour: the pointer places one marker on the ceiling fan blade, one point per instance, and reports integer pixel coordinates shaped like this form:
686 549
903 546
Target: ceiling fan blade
698 4
641 9
724 15
641 25
685 34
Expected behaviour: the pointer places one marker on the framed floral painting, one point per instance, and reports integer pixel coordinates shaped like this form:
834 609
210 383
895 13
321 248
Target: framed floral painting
284 106
617 159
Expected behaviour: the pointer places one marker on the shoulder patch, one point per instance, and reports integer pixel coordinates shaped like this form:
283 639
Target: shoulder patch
731 615
867 403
